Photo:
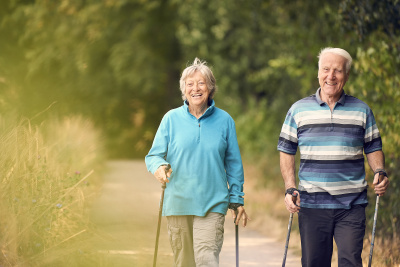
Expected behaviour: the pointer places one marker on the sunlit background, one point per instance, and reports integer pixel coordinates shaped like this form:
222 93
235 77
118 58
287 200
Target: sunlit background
83 81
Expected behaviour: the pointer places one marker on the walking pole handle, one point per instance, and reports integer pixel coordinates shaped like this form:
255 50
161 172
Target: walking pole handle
294 197
381 176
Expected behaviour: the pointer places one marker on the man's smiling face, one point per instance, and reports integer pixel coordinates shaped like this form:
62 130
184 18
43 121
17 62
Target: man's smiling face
332 75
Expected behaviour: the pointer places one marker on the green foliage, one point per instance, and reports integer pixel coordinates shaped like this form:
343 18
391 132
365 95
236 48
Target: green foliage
95 58
378 84
253 46
366 17
376 81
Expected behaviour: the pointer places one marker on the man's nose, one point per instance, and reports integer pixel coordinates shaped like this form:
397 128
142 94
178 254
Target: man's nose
331 74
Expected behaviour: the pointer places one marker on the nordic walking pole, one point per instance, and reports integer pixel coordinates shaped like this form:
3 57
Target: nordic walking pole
294 198
163 186
236 238
381 176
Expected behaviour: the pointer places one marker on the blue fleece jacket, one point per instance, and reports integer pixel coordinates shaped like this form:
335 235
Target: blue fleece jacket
205 158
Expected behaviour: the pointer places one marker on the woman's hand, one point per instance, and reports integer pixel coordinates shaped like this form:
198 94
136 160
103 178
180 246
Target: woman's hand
163 173
240 213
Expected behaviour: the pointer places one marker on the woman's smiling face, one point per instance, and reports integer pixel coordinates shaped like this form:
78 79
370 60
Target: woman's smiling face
196 90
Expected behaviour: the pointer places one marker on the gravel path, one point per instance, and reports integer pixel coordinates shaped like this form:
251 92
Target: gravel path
126 215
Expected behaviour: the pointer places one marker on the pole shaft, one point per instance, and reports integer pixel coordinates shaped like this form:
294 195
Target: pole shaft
373 232
159 224
237 239
294 199
380 179
287 239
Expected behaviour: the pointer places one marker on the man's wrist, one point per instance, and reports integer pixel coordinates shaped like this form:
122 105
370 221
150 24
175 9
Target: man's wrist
380 171
290 191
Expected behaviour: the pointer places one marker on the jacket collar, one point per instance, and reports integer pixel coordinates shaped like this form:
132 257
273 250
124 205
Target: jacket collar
207 113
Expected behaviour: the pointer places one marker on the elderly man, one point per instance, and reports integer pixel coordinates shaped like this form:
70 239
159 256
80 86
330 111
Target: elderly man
332 130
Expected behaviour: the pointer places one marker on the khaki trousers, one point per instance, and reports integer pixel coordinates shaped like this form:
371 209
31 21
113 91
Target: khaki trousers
196 241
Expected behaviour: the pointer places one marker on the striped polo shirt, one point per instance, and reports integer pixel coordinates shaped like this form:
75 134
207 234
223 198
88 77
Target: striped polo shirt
332 172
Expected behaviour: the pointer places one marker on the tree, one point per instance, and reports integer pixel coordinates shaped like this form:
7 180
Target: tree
376 24
112 61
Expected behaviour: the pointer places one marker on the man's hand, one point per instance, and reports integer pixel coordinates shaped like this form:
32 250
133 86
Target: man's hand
380 184
240 213
290 205
163 173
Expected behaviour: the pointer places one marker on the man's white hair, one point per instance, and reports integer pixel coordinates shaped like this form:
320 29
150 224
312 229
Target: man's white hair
337 51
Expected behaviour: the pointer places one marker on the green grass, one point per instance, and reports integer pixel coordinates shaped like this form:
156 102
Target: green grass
47 179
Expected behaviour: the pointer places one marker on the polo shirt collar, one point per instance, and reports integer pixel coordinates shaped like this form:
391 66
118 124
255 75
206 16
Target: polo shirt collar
341 100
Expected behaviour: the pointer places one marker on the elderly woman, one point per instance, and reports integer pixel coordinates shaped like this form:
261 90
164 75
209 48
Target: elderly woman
195 151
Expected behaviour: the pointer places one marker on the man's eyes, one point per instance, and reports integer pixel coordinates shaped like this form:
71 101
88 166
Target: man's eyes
336 71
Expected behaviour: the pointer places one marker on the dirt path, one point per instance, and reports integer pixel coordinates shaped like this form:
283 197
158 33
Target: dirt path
126 216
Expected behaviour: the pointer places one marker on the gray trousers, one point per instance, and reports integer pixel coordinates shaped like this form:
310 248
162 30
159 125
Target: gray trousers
196 241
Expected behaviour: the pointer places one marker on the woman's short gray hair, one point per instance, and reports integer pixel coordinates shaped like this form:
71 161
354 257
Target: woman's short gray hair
200 66
337 51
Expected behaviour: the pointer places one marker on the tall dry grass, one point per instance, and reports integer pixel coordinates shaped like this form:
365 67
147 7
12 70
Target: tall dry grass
265 206
46 182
